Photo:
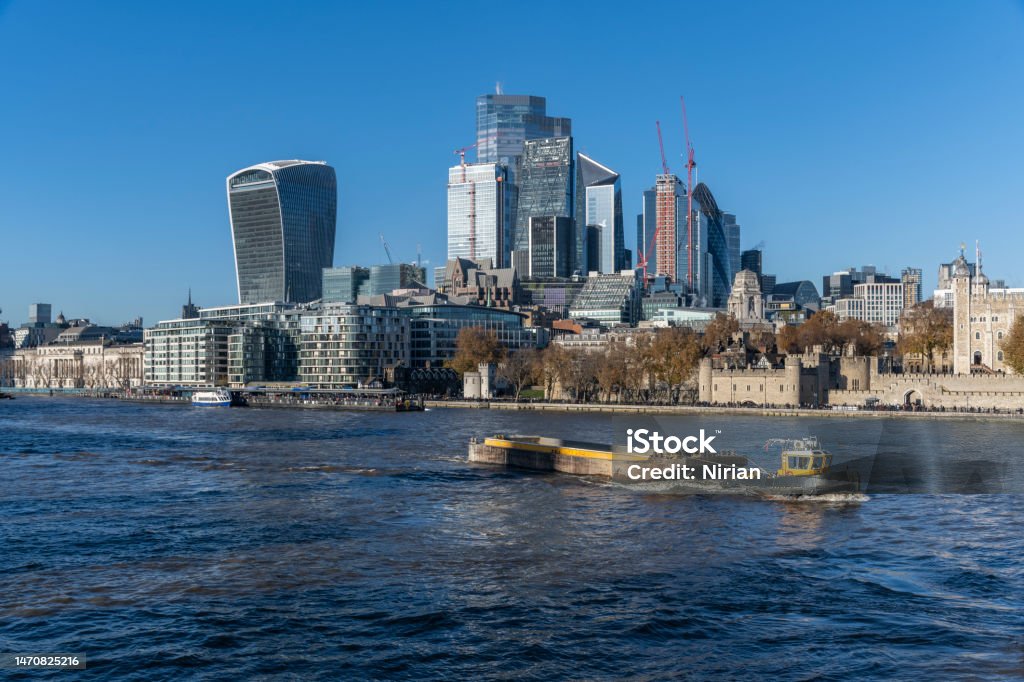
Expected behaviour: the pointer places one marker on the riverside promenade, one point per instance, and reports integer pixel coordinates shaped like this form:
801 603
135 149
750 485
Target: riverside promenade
612 408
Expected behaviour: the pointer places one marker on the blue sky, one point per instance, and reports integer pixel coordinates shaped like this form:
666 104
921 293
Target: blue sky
839 133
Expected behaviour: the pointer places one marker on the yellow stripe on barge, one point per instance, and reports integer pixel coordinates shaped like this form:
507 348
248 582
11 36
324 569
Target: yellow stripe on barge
548 454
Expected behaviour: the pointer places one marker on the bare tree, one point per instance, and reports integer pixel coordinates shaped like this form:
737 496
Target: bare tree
520 369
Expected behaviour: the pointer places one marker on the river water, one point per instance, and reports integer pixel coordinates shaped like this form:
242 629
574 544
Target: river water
167 542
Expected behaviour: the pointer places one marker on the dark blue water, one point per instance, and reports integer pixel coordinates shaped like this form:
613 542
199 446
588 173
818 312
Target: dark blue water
172 543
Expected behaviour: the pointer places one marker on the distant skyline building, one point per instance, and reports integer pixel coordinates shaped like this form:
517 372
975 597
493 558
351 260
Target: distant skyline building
912 290
646 222
545 187
40 313
752 259
505 122
386 278
599 205
343 284
732 240
670 225
549 253
283 222
710 254
479 212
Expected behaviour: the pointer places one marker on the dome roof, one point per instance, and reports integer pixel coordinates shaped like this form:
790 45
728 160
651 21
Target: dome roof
960 267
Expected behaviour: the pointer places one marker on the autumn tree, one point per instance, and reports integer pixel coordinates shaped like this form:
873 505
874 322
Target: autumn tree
1013 346
612 371
520 369
866 338
787 339
925 329
718 334
552 368
821 330
473 346
580 373
675 354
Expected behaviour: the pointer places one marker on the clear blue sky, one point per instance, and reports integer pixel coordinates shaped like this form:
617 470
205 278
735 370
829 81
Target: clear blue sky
839 133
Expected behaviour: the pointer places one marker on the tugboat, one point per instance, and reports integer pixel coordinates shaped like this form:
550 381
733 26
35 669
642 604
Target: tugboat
215 398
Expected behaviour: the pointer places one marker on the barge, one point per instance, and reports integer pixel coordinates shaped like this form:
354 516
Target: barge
805 469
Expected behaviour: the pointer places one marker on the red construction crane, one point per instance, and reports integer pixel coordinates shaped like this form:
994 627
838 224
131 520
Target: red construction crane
644 256
690 165
661 147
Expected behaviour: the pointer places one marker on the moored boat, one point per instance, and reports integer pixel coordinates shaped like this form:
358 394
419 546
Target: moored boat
215 398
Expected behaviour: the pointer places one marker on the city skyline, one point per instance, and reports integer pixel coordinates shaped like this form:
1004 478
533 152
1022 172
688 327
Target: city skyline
140 234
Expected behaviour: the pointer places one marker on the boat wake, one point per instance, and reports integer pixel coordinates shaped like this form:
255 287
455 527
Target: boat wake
828 498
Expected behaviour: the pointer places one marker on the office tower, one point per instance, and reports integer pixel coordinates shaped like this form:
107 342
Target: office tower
768 284
39 313
599 204
670 225
343 285
479 212
505 122
646 221
732 239
549 253
386 278
592 250
751 260
283 217
911 279
545 187
709 253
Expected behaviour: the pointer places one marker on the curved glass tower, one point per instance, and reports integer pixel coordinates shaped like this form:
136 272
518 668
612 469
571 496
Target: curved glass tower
283 218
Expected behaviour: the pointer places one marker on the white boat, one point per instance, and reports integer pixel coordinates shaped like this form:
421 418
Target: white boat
218 398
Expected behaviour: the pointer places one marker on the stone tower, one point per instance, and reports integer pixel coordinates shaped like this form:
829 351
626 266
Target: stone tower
961 282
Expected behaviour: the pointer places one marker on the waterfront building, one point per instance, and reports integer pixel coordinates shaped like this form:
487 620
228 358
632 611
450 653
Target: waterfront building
189 352
435 328
283 219
599 205
350 346
549 248
546 189
94 363
480 206
344 284
609 299
911 279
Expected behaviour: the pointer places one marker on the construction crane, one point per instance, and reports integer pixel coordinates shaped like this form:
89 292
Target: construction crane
387 249
644 255
690 165
461 153
472 198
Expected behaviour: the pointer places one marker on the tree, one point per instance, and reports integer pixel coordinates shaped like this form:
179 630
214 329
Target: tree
552 367
865 337
718 334
580 373
821 330
613 370
675 353
787 340
925 329
473 346
520 369
1013 346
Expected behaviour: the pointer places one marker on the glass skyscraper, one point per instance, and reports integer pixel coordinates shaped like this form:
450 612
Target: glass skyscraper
710 252
599 205
545 187
479 212
283 220
505 122
645 225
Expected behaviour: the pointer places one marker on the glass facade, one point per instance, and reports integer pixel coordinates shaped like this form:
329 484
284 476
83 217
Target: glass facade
479 212
283 220
386 278
609 299
342 285
545 185
435 329
645 225
550 248
599 204
505 122
710 253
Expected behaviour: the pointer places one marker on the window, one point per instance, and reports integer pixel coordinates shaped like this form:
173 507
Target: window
999 335
999 356
977 335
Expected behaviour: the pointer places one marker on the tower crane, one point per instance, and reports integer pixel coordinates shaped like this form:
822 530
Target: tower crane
387 249
690 165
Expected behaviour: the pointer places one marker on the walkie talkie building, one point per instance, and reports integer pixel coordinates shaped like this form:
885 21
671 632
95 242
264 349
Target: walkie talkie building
283 216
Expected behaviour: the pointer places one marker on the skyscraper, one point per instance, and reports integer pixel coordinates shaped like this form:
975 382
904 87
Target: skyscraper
732 239
550 250
479 212
599 204
283 221
710 253
505 122
751 260
670 223
545 186
646 222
